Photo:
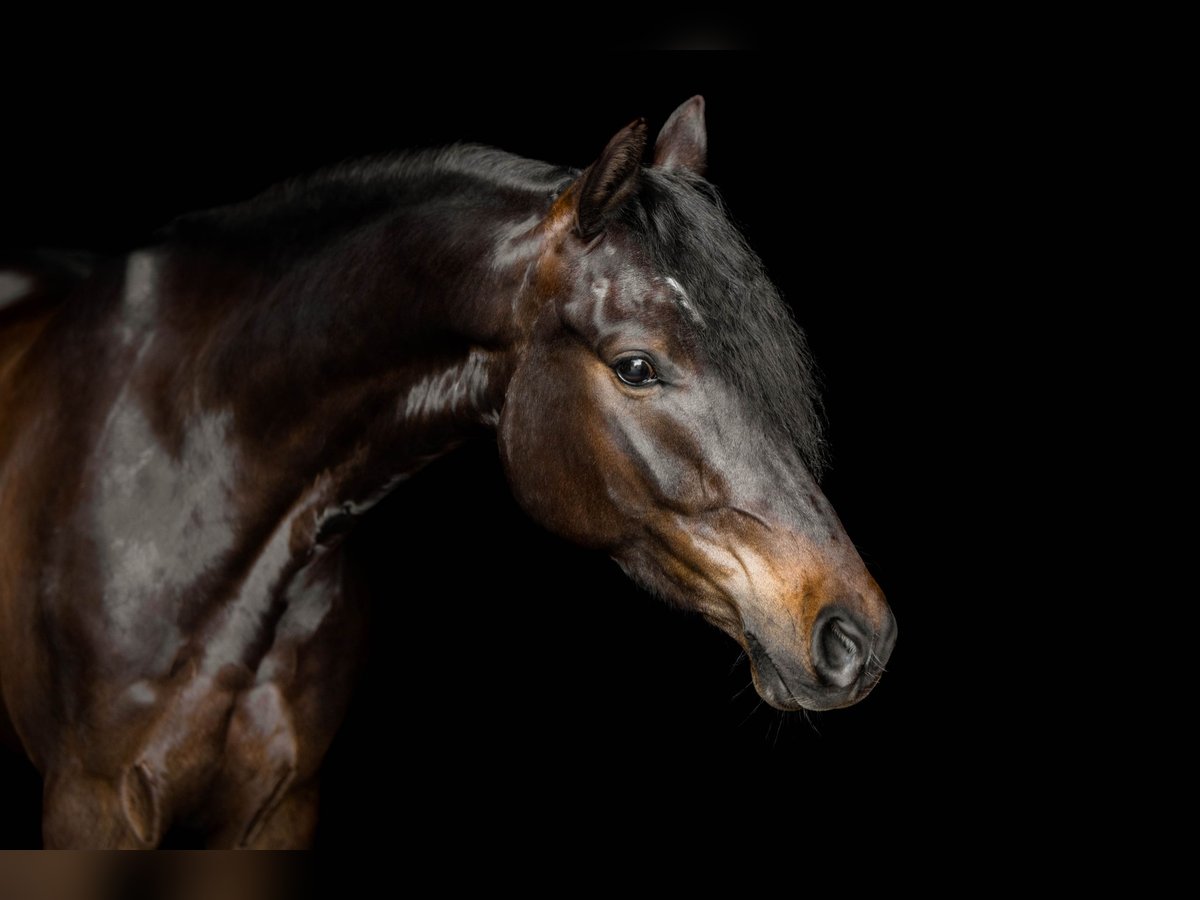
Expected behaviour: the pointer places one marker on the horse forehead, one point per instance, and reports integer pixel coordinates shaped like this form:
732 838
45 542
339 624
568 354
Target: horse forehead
621 290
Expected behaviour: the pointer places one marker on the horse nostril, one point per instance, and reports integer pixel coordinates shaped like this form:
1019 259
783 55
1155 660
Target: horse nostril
839 650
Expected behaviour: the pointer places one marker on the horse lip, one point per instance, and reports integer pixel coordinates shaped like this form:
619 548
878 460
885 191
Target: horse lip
796 697
761 660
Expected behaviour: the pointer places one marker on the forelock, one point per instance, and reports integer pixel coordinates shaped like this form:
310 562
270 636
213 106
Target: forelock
743 325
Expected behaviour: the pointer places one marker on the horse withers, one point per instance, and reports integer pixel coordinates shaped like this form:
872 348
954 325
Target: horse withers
190 433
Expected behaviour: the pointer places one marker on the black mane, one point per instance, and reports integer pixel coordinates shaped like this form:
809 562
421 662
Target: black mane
747 331
352 192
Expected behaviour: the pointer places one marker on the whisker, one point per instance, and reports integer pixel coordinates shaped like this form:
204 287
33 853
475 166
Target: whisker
811 723
742 691
781 717
874 667
751 713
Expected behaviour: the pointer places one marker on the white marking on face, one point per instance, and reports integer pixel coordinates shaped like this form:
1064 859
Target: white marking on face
13 286
682 298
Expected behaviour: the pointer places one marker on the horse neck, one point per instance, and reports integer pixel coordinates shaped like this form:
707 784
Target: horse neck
389 344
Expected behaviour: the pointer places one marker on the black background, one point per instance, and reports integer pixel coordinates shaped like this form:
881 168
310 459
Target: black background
550 685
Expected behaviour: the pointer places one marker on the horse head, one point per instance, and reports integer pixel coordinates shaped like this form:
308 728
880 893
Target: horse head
663 408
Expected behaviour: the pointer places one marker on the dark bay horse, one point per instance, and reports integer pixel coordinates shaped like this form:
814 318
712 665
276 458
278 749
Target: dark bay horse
188 435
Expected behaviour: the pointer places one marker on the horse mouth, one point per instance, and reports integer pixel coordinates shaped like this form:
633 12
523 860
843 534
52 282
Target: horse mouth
768 680
792 693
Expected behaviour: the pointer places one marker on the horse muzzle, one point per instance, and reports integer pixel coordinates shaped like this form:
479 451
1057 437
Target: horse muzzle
845 659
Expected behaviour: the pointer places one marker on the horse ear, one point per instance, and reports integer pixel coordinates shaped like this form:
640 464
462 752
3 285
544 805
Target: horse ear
611 179
683 141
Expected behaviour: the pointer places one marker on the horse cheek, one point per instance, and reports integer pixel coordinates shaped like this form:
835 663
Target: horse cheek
547 446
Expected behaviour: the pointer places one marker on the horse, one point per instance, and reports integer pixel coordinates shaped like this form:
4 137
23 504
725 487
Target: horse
192 431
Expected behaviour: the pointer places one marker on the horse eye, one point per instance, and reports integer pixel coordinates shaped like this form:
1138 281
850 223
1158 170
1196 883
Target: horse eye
636 370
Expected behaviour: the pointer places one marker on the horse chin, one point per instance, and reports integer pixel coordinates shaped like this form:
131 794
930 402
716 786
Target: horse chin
772 688
787 699
788 695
